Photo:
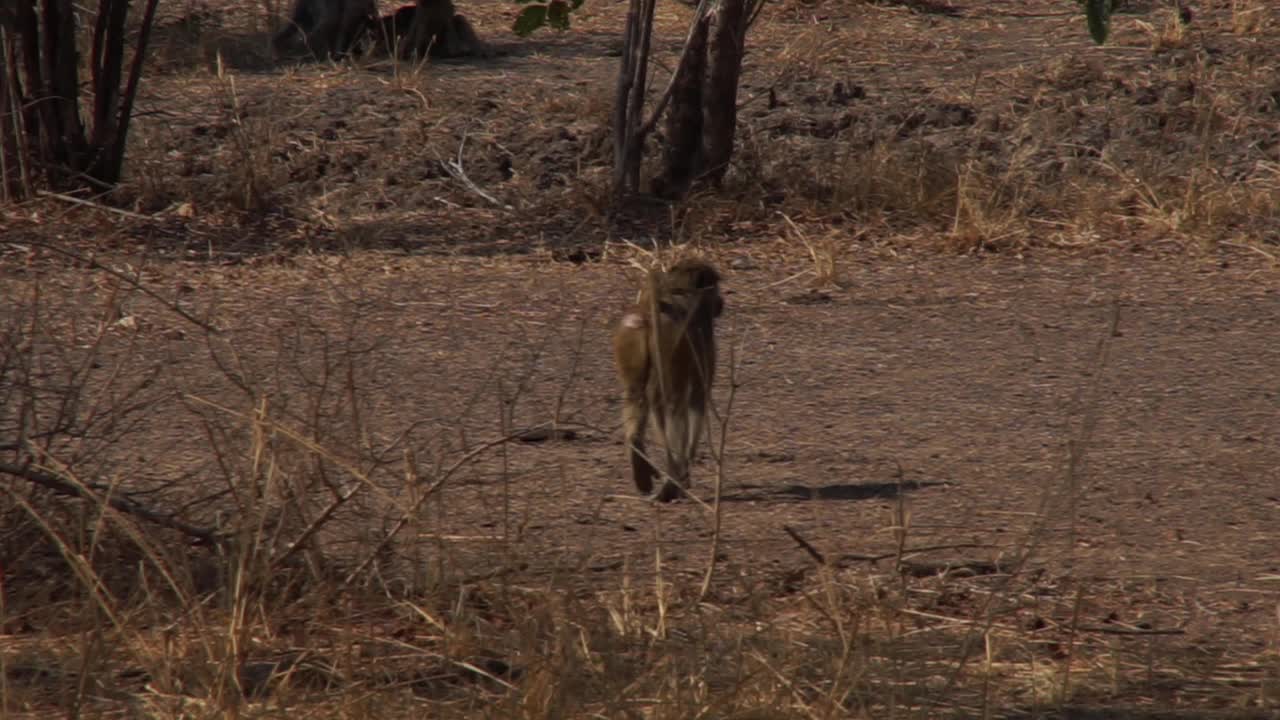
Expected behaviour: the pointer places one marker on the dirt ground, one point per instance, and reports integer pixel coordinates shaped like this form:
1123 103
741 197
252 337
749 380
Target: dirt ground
1091 385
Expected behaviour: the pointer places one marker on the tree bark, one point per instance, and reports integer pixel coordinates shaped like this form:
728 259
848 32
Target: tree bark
703 94
63 136
43 124
682 157
15 171
628 138
721 97
120 131
621 96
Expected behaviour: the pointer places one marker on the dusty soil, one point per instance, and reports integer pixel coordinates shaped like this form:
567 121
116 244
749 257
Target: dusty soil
1101 390
950 389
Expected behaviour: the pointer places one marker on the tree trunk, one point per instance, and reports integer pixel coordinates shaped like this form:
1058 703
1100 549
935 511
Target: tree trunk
15 173
41 115
628 136
720 108
703 96
682 157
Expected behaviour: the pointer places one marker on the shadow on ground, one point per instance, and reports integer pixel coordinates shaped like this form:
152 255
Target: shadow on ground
1136 713
838 491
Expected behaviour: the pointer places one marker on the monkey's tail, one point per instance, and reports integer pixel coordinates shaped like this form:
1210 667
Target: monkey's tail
676 429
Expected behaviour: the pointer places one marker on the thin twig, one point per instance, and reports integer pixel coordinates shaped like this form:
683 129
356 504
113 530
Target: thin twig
61 485
427 492
718 453
1250 248
455 169
133 282
907 552
1130 631
94 205
817 556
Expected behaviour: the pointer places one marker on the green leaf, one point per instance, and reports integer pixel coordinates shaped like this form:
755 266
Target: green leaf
558 14
530 19
1098 13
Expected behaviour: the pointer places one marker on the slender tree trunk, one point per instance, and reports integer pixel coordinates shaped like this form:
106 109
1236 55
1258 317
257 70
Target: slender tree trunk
621 96
64 137
115 144
15 176
628 137
720 106
682 157
43 127
701 99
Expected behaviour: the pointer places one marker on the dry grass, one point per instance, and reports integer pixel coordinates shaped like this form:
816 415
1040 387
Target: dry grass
973 139
338 587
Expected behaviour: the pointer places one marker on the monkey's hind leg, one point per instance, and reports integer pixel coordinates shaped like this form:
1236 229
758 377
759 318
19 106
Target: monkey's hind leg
300 23
322 40
676 429
356 22
461 39
635 419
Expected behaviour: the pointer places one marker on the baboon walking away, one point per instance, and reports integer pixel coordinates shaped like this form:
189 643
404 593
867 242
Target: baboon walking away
665 351
327 28
392 29
439 31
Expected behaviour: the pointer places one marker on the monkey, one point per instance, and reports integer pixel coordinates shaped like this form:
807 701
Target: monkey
665 351
328 28
439 31
391 29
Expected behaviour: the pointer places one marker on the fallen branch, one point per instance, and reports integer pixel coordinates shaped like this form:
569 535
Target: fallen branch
1130 630
459 173
96 206
805 545
913 551
71 488
131 281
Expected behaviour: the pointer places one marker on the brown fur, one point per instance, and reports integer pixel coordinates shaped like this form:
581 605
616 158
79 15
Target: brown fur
327 28
439 31
665 351
392 29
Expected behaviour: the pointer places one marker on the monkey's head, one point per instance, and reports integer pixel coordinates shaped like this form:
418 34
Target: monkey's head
692 276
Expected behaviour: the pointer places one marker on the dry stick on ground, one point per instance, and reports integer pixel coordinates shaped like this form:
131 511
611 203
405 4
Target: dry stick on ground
132 282
1130 630
429 491
506 411
808 547
901 521
62 485
455 168
96 206
1076 448
910 551
718 455
659 584
267 424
